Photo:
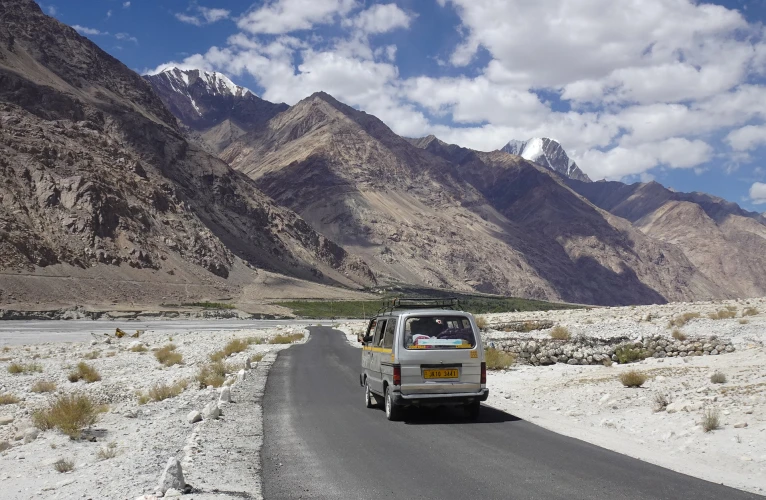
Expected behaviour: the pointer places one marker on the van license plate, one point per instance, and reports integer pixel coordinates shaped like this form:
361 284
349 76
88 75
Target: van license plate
453 373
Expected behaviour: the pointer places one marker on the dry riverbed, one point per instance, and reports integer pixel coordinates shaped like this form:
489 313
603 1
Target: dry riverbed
590 403
122 455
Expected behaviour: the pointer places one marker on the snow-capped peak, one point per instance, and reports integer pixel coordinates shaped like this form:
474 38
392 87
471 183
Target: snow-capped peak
548 153
214 82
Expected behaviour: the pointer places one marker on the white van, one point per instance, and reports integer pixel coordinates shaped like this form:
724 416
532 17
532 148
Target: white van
423 352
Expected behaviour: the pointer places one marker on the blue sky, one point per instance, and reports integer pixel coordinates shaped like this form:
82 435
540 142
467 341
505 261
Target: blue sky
671 90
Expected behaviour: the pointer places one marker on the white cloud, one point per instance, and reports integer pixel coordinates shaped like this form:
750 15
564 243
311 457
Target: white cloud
203 15
284 16
125 5
380 18
758 193
109 13
126 37
83 30
51 10
747 138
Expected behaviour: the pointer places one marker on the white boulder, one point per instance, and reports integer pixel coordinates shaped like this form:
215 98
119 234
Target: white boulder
193 417
172 477
211 411
225 396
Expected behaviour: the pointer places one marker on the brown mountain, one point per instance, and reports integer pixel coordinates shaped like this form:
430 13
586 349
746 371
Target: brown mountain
421 211
211 106
720 238
101 185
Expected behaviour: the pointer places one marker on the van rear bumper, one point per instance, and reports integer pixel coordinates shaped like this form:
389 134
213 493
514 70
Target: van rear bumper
434 399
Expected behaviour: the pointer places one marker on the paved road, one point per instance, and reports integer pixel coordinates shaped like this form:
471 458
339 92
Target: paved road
321 442
36 332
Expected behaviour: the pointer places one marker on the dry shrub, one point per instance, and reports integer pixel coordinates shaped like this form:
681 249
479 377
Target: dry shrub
286 339
43 386
84 372
497 359
560 333
481 322
627 354
68 413
63 465
718 378
632 378
17 368
214 374
723 314
660 402
256 357
679 335
138 348
255 341
711 420
232 347
92 355
743 321
161 392
750 311
680 321
107 452
168 356
8 399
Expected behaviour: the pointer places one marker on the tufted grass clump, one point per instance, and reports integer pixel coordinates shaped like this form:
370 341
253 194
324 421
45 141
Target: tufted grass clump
481 322
627 354
138 348
255 341
232 347
286 339
718 378
107 452
8 399
168 356
161 392
92 355
681 320
560 333
18 368
711 420
43 386
63 465
632 378
723 314
214 374
85 372
69 414
497 359
678 335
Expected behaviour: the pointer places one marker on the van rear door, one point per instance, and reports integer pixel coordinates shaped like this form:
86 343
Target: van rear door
440 354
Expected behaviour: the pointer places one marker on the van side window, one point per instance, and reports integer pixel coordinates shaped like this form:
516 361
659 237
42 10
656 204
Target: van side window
380 328
388 337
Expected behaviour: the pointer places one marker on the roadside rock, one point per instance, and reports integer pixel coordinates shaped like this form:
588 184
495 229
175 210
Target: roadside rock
211 411
740 425
172 477
225 396
6 419
193 417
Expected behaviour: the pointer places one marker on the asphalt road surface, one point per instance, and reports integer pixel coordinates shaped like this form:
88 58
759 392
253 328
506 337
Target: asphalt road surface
321 442
37 332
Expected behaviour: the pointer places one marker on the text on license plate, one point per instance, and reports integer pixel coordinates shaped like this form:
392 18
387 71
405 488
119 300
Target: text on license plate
441 373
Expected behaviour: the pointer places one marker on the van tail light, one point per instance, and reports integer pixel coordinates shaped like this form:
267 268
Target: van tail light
397 375
483 372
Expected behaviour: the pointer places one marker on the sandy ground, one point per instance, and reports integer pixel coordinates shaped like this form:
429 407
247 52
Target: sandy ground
590 403
143 436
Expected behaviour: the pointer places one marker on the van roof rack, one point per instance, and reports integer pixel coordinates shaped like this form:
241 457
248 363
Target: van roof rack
391 305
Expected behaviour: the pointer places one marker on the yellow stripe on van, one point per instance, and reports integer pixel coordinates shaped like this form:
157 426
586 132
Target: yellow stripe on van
377 349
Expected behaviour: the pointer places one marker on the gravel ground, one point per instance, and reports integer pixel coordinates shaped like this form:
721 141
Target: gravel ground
143 436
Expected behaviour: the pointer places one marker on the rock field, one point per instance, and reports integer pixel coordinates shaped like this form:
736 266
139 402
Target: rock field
124 454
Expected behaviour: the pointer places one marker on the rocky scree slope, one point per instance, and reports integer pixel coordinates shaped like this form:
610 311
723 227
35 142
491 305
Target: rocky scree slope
98 175
215 110
420 211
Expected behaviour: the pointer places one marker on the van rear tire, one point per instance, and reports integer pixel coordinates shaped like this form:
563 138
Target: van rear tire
393 412
472 410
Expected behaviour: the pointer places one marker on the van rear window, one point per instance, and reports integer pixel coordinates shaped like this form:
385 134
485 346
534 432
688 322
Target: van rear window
438 332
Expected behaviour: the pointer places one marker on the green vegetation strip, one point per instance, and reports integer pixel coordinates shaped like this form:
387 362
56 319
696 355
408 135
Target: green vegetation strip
366 308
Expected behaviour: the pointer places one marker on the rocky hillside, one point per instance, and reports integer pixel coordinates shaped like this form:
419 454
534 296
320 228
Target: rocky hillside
210 105
548 153
421 211
717 236
101 185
